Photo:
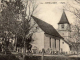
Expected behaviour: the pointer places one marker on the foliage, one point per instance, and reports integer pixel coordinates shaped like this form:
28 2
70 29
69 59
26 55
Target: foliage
9 18
75 28
20 42
15 21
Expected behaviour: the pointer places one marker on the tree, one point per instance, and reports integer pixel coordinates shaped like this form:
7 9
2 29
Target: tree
16 18
75 37
26 27
9 15
75 28
78 1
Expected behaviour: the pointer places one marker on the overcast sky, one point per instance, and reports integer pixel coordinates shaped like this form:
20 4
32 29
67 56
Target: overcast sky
51 10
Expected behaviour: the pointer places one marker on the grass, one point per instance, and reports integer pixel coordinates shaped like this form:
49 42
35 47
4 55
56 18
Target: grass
13 57
50 58
8 57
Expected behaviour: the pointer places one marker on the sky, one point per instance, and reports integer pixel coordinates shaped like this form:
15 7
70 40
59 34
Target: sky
50 11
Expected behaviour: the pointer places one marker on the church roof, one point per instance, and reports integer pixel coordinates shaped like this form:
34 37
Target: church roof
67 41
47 28
63 19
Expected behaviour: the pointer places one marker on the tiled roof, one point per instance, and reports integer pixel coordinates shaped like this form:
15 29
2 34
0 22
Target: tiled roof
47 28
63 19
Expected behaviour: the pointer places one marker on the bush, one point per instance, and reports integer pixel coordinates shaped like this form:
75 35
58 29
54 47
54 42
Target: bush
8 57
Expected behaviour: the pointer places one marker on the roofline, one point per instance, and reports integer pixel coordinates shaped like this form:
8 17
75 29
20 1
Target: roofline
55 36
67 42
50 25
65 17
64 23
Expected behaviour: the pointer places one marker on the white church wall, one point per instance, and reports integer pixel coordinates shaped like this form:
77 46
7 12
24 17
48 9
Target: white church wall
64 47
38 38
64 33
53 44
57 45
66 27
46 42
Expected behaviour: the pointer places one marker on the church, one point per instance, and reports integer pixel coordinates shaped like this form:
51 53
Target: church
48 38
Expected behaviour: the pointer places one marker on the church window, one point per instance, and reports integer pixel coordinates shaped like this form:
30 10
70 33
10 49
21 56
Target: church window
55 43
62 33
62 42
62 25
61 50
37 27
50 42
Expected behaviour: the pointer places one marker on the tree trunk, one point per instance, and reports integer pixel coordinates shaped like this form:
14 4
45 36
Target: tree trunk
15 48
24 51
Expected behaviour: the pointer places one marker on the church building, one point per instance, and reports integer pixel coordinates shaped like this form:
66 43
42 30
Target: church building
46 37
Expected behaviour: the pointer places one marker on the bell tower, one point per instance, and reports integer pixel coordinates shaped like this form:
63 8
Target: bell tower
64 26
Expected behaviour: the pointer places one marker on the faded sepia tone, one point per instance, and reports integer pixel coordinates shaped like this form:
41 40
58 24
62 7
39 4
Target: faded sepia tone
39 30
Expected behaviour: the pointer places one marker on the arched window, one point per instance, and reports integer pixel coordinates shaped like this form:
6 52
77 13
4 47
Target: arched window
50 42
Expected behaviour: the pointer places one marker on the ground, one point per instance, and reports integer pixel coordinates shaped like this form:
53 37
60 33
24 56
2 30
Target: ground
49 57
39 57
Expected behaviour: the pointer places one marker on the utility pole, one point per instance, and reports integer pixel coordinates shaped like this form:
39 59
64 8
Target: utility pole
42 54
24 35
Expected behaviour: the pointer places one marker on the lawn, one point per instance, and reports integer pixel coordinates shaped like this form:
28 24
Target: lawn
12 57
8 57
50 58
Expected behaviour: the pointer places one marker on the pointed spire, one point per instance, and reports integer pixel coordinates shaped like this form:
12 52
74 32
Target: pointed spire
63 19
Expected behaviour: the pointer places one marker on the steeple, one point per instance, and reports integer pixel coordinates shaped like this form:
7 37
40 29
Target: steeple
63 19
64 27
